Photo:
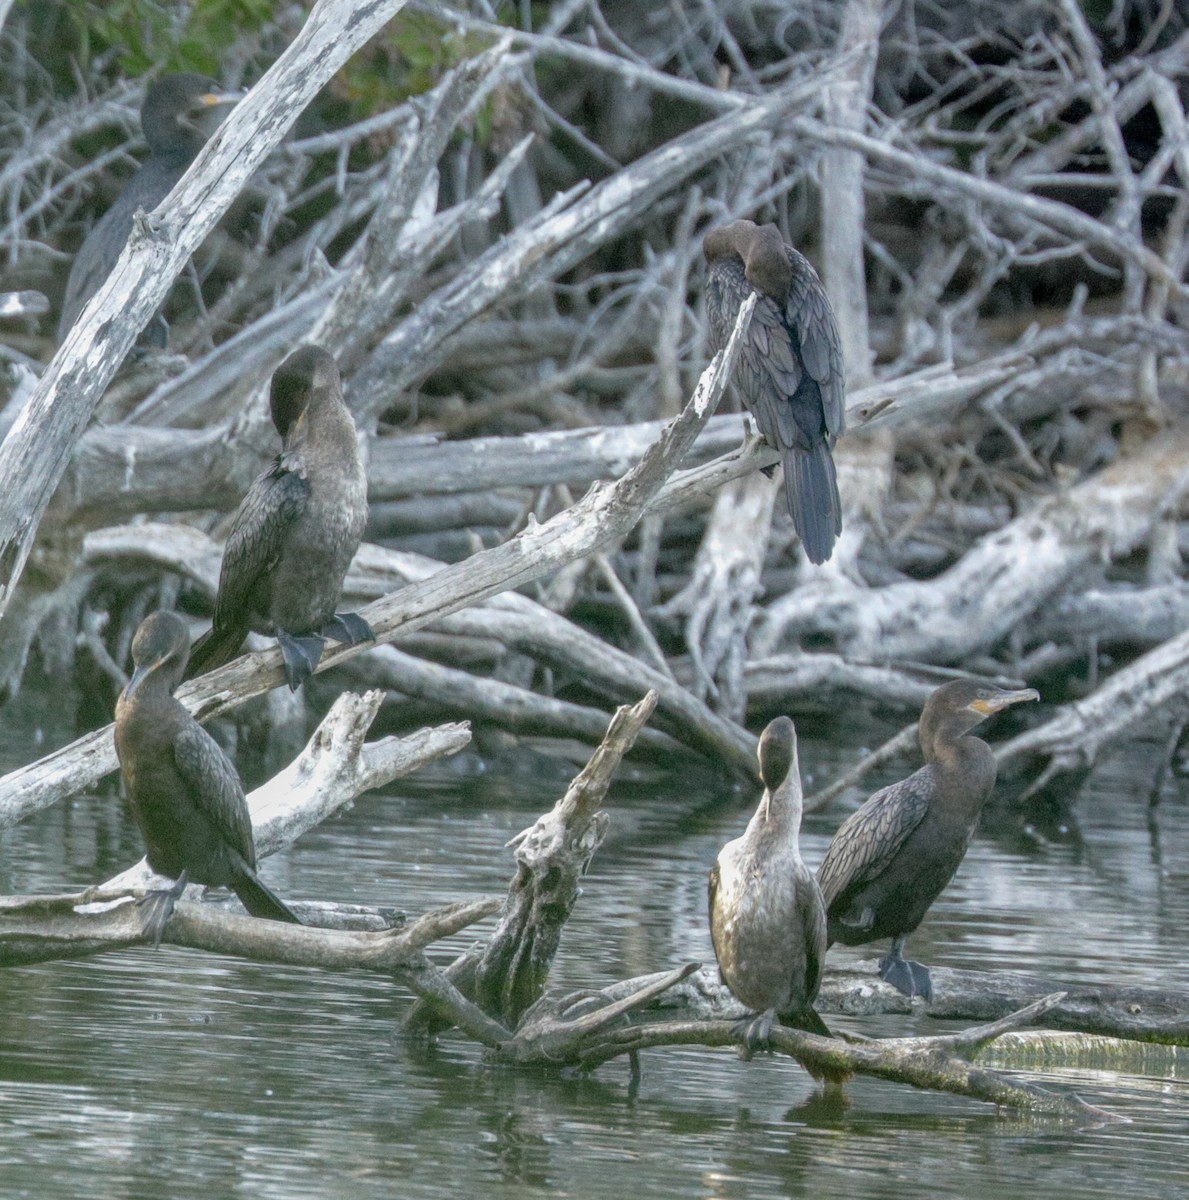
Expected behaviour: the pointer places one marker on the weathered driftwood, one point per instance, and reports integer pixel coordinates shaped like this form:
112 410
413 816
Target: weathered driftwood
41 928
718 601
336 766
1072 740
941 1063
34 454
562 234
1142 1014
130 469
493 701
603 515
1000 582
551 858
511 619
580 1032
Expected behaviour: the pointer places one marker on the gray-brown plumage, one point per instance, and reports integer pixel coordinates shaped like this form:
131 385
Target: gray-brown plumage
767 919
892 858
185 794
172 120
789 370
296 530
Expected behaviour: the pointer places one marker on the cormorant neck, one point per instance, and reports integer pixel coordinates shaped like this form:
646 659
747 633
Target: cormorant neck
970 762
329 425
779 814
949 745
156 686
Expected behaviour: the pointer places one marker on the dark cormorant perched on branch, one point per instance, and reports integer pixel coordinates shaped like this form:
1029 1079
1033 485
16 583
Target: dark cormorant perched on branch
185 794
892 858
171 117
767 919
790 372
296 530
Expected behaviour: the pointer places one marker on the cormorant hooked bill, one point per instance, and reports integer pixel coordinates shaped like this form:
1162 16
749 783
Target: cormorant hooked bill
892 858
789 371
185 794
767 918
296 531
171 118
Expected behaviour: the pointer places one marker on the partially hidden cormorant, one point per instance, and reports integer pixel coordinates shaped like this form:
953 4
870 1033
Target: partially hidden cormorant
185 794
789 370
171 118
296 531
767 919
892 858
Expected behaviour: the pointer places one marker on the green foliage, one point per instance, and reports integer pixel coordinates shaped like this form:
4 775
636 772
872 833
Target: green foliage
406 59
142 34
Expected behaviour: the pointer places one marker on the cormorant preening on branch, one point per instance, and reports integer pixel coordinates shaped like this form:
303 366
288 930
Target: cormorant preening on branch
789 371
296 530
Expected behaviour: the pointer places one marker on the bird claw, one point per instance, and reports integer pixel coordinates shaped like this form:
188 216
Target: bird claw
348 627
755 1032
301 656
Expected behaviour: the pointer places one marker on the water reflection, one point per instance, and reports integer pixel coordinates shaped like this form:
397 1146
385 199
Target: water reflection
179 1074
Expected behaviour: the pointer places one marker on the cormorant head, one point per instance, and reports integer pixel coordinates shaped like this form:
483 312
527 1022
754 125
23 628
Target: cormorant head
762 251
176 115
958 706
777 752
303 380
162 644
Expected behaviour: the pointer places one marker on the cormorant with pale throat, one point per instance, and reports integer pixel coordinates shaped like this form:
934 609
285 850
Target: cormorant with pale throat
767 919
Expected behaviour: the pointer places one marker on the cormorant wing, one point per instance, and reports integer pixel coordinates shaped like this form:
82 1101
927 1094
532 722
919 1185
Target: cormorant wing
712 894
811 317
871 837
770 374
102 247
811 912
215 788
275 499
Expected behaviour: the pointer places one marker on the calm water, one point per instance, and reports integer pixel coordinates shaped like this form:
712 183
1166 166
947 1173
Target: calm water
178 1074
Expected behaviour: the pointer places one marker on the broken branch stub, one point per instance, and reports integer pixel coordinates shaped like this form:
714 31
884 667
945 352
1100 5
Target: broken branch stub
551 857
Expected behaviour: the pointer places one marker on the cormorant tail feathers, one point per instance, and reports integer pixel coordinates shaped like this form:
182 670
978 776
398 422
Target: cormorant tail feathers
260 900
215 647
811 492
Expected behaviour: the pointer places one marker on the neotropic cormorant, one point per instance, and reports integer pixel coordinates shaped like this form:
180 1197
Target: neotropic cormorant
171 118
767 919
296 531
790 372
892 858
185 794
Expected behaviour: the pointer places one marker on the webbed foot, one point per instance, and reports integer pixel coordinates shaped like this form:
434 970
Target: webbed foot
159 906
348 627
905 975
301 655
